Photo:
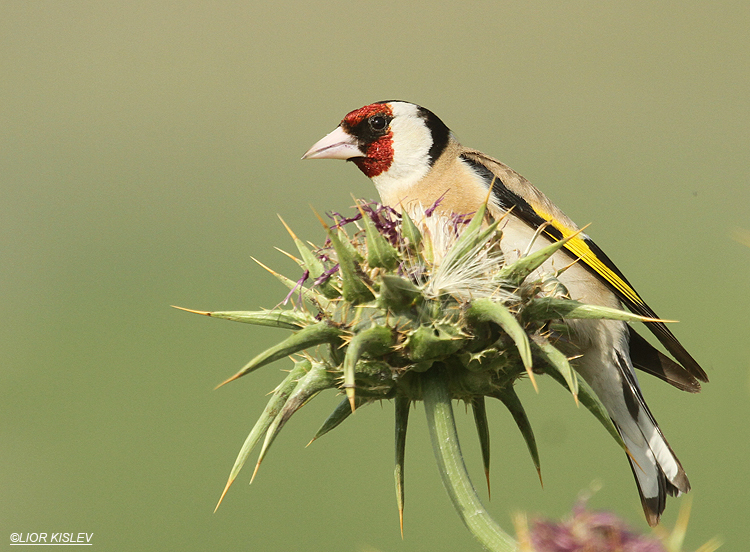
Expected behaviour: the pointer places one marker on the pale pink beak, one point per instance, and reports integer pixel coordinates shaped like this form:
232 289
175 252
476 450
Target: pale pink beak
336 145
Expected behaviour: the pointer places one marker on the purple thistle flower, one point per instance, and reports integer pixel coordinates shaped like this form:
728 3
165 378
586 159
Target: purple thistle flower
323 256
461 219
428 212
299 283
342 220
587 531
323 278
386 220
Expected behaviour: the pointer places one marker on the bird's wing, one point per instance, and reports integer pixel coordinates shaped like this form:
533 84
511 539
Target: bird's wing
649 359
512 191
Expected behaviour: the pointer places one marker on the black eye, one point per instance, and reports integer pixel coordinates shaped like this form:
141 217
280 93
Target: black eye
377 122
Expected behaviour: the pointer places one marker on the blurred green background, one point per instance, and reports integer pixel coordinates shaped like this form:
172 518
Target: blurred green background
145 150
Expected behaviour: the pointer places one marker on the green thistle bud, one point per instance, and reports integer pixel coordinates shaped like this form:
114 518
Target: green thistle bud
417 307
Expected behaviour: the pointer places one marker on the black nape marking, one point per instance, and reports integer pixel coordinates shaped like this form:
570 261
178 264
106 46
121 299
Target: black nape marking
440 133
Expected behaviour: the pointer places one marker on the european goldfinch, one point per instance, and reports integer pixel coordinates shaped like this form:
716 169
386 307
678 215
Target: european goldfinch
412 157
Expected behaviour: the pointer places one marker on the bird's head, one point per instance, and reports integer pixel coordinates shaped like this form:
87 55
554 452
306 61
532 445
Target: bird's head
394 143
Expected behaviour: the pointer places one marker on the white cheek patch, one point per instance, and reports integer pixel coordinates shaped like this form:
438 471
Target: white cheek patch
412 141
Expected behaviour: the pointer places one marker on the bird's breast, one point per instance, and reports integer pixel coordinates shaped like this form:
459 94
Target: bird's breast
451 184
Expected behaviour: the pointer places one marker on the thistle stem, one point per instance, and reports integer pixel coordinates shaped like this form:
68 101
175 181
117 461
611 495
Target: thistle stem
442 427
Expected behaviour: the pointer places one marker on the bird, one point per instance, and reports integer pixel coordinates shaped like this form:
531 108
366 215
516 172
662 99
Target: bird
412 157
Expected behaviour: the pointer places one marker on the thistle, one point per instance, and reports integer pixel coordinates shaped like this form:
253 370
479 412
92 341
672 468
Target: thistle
412 306
602 531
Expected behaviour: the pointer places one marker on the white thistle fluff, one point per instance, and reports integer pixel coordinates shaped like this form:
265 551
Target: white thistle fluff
465 276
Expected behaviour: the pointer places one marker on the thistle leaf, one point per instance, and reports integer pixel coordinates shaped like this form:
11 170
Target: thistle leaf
479 408
485 310
513 404
410 231
380 253
350 246
340 413
354 289
280 396
398 294
488 358
427 252
517 272
469 241
432 342
317 379
559 362
471 237
474 226
402 420
321 332
549 308
375 341
287 320
312 263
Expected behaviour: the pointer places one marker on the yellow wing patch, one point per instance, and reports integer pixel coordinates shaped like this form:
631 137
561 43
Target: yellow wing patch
581 249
